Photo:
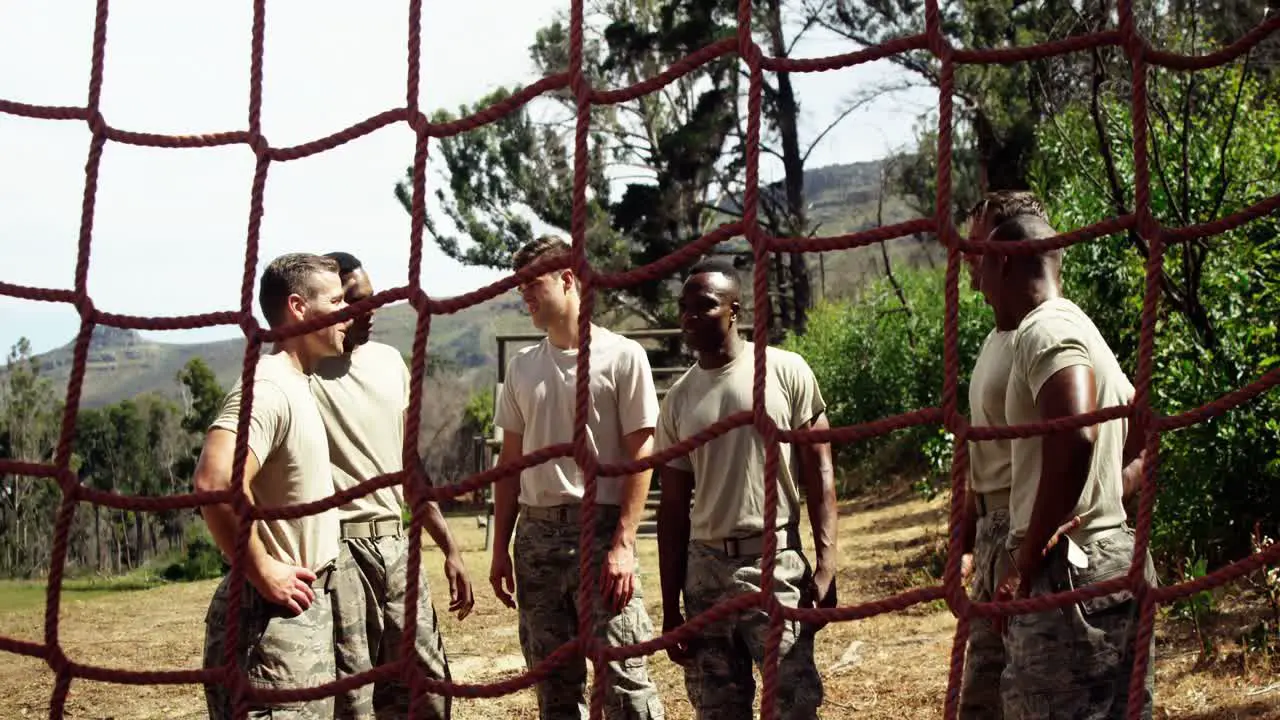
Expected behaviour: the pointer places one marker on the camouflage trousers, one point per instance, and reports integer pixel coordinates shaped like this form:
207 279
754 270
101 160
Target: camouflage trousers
546 562
984 658
719 679
1074 662
278 650
369 617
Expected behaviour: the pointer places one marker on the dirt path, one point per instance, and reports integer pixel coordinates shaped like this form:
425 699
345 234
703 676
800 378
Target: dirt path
889 666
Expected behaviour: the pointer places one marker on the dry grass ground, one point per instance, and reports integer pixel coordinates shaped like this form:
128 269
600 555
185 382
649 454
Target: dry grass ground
889 666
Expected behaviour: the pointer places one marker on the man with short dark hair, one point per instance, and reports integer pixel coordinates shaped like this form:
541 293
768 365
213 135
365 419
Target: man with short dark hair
714 552
363 397
285 619
537 408
986 521
1075 661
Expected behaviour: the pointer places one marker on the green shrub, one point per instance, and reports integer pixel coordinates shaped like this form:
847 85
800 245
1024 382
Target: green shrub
203 559
875 358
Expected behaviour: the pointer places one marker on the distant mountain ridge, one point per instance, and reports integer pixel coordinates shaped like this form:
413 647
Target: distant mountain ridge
122 363
841 199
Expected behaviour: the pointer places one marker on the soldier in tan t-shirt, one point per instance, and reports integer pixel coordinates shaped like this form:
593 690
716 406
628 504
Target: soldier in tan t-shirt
537 408
713 552
285 620
1075 661
986 526
363 395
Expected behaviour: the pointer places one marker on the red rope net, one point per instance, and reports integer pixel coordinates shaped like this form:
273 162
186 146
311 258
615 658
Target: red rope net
418 489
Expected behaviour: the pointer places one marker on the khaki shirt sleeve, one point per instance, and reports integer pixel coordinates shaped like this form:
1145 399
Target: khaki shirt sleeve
507 415
636 393
667 434
1046 346
806 397
268 418
406 377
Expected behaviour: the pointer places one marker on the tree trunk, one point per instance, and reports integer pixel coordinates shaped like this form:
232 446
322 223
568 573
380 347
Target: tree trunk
97 536
793 167
139 555
780 295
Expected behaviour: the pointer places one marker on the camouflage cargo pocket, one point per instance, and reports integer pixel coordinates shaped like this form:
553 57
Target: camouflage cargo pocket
1108 558
293 652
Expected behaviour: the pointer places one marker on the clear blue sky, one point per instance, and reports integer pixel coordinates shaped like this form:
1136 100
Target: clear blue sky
170 225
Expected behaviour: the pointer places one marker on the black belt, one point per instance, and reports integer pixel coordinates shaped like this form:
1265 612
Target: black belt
992 501
753 545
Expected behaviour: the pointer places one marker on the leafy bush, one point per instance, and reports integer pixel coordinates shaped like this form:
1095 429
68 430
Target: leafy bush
203 559
875 357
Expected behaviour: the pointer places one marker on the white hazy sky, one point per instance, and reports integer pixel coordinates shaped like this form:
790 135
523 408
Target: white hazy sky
169 228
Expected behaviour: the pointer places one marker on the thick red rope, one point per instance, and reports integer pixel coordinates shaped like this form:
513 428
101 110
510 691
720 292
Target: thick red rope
419 490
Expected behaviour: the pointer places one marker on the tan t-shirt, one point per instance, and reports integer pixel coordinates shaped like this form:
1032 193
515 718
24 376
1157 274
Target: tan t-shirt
728 472
989 460
1057 335
538 399
362 397
287 437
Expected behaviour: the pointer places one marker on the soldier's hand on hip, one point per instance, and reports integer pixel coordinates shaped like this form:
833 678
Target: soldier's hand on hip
617 577
1063 530
461 595
966 568
284 584
502 577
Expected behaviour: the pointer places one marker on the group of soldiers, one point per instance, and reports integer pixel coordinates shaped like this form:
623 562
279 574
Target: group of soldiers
324 594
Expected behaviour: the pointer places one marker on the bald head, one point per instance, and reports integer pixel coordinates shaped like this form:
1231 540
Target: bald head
720 275
1013 282
1028 227
710 302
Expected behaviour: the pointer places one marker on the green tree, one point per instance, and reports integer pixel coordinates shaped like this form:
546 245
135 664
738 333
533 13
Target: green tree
30 414
671 141
201 395
115 453
479 413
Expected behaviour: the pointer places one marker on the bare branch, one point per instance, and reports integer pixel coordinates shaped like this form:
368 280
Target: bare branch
1223 178
884 251
1076 153
714 208
856 103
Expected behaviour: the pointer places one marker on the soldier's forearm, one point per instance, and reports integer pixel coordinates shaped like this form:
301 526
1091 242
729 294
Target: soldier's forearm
820 487
635 487
438 529
969 526
673 555
1063 475
506 493
673 536
223 525
635 490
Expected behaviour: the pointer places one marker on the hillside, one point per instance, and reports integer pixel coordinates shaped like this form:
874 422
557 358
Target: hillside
843 199
123 364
